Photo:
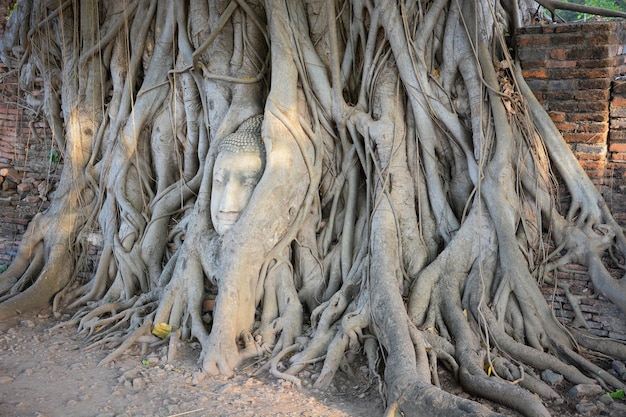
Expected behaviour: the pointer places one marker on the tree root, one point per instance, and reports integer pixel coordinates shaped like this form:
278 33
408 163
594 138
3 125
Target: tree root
282 375
144 330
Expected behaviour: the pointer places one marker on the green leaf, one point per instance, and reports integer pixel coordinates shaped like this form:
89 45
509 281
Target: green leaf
619 394
146 362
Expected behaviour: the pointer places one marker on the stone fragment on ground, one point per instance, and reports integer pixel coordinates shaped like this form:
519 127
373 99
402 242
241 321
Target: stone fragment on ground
550 377
585 390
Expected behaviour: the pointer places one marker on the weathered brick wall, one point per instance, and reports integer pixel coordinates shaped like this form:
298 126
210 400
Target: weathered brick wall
575 72
573 69
27 174
613 184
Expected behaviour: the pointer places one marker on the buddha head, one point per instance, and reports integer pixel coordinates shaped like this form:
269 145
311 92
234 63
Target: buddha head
237 170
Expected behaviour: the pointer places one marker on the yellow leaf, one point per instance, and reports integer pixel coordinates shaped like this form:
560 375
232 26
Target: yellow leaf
162 330
488 369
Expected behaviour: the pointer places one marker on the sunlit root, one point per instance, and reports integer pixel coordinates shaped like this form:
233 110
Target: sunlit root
349 337
136 336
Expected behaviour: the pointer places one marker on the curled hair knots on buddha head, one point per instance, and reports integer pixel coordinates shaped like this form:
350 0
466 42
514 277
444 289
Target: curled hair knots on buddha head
246 139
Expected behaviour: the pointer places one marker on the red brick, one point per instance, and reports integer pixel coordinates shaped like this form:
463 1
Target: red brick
561 64
566 127
535 73
580 73
523 40
583 156
617 122
585 137
592 95
593 165
611 62
592 117
619 87
559 54
557 116
591 149
619 156
618 101
617 147
595 84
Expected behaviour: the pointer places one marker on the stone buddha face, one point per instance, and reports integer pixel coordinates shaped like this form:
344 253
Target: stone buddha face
238 168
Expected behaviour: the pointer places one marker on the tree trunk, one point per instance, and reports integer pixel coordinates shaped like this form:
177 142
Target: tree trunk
405 203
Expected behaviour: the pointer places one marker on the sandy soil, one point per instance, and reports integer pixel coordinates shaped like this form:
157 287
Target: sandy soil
48 373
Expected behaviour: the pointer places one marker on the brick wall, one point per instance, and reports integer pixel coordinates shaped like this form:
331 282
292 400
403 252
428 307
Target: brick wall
575 71
27 174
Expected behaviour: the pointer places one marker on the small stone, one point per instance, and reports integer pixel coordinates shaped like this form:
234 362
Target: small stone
5 380
585 390
620 368
605 399
618 408
586 409
551 377
139 383
32 199
27 323
197 377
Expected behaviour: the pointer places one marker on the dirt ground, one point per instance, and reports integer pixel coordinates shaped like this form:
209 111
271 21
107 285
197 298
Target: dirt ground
47 373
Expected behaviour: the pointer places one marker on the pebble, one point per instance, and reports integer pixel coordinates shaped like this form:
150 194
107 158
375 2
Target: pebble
139 383
5 380
618 408
198 377
620 368
551 377
587 408
585 390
